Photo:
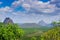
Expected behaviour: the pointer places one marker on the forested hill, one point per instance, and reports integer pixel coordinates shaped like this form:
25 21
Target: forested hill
53 34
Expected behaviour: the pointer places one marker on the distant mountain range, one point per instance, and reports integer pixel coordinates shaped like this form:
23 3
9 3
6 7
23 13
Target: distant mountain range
29 25
35 25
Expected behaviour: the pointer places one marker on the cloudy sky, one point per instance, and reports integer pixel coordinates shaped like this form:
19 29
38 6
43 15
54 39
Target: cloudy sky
30 11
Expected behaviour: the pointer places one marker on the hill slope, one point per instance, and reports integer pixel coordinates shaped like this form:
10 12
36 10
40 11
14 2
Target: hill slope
53 34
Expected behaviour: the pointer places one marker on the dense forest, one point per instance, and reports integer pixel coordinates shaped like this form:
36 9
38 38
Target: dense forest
14 32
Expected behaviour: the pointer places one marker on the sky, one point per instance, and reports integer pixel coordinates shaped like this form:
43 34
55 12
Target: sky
30 11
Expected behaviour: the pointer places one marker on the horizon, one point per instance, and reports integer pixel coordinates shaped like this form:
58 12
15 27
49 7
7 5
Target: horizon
32 11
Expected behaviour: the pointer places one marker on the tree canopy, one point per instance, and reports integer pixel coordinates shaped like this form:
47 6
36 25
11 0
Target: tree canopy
10 32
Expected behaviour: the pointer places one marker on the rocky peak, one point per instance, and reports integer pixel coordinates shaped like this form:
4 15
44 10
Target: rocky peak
8 20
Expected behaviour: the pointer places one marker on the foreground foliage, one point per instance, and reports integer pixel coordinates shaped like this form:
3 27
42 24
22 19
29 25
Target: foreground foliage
53 34
10 32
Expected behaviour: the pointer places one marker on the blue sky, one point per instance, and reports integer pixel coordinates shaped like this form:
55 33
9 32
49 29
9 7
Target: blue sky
30 11
44 0
9 2
6 2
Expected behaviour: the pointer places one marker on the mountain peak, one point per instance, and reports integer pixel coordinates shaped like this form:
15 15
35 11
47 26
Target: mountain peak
42 23
8 20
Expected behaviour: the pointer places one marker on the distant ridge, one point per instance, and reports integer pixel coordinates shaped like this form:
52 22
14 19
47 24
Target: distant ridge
8 20
29 25
35 25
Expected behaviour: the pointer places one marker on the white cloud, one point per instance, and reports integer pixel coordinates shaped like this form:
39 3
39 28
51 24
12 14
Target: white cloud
5 9
37 5
56 2
44 7
17 3
26 6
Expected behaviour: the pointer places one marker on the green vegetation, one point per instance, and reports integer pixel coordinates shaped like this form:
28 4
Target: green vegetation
53 34
14 32
10 32
34 30
55 24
